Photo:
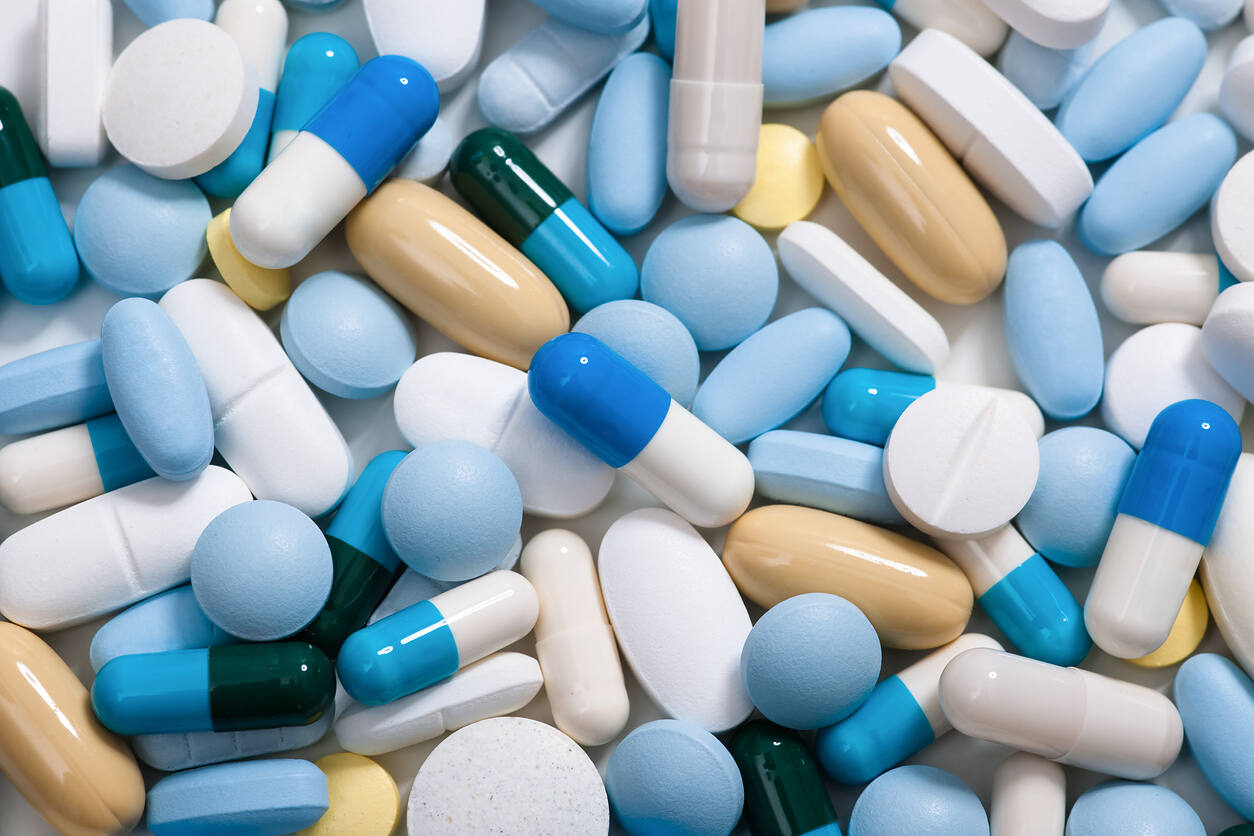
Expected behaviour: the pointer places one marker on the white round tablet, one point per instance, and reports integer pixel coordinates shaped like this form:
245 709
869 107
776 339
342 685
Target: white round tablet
1154 368
960 462
1228 337
1232 219
1236 94
180 99
508 775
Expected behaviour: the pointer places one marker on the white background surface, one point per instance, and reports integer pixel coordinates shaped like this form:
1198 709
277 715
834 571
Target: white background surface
978 355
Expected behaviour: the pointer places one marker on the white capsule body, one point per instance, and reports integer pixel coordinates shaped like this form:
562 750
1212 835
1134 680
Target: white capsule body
986 560
970 21
260 29
1147 287
922 679
1029 797
48 471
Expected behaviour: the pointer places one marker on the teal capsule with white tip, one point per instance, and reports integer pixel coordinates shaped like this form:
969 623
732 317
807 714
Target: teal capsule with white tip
317 67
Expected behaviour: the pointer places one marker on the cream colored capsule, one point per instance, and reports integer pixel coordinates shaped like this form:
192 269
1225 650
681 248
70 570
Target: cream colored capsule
914 596
582 673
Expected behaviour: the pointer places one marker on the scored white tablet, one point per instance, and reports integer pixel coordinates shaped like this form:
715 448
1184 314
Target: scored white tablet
73 70
1057 24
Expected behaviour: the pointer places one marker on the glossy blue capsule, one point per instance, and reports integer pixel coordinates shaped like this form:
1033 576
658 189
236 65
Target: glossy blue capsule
885 730
317 67
864 404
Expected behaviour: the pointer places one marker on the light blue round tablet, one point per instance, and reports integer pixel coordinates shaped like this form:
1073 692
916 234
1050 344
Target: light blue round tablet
250 798
810 661
716 273
816 53
261 570
152 12
346 336
139 235
1042 74
651 339
451 510
920 801
1216 702
169 621
1127 808
1072 509
671 777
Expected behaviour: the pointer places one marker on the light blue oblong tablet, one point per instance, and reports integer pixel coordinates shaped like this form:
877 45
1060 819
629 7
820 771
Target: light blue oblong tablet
773 375
53 388
1052 330
608 16
823 471
172 752
1129 808
1216 703
1042 74
1158 184
169 621
627 144
1132 89
257 798
814 54
152 12
652 339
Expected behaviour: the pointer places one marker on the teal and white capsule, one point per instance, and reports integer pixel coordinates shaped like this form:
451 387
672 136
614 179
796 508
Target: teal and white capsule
317 67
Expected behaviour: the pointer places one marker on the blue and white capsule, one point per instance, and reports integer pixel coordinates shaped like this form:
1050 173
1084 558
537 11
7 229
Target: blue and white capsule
317 67
631 423
1166 516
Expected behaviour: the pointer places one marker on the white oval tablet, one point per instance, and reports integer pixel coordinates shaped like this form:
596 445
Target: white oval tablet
680 620
1225 570
960 462
1236 94
495 685
74 69
1232 219
1147 286
1057 24
180 99
508 775
445 36
1228 337
1154 368
1002 138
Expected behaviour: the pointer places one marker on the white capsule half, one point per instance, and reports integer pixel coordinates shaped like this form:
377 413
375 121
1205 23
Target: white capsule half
1146 287
970 21
1029 797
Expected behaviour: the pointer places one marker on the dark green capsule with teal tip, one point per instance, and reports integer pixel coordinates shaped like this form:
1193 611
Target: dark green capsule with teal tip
519 197
227 688
365 566
784 793
1239 830
38 262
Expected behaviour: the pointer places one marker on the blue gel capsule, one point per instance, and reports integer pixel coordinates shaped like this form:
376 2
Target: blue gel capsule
53 388
317 67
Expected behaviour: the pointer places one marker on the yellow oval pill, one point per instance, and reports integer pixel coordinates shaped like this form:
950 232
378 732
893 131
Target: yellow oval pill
364 800
260 287
1186 634
789 180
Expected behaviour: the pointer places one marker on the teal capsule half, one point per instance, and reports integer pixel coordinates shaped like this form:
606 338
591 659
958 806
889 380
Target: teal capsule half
117 460
317 67
230 177
864 404
784 792
519 197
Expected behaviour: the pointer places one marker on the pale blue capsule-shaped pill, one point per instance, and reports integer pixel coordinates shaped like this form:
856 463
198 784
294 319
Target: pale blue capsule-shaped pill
152 12
606 16
172 752
257 798
918 799
627 144
1132 89
169 621
53 388
1207 14
1042 74
157 389
652 339
823 471
1052 330
773 375
1216 703
1128 808
662 14
816 53
1158 184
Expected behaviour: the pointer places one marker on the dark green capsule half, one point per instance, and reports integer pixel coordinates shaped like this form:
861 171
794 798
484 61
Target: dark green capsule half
19 155
358 584
258 686
784 793
1239 830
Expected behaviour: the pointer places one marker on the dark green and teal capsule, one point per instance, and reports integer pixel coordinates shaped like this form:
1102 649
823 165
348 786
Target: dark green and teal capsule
784 793
227 688
1239 830
519 197
38 262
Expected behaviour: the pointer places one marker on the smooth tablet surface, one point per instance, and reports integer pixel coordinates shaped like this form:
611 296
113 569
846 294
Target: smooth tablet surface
716 274
259 798
261 570
172 752
673 777
1207 14
363 798
508 775
74 68
1236 93
1126 808
261 287
444 36
1230 219
599 16
429 159
152 12
53 388
789 181
921 801
158 112
139 235
1186 632
1057 25
652 339
960 463
169 621
816 53
1042 74
1228 337
1216 702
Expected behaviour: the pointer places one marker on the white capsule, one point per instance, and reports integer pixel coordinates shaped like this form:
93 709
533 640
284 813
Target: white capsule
1146 287
1029 797
48 471
970 21
260 29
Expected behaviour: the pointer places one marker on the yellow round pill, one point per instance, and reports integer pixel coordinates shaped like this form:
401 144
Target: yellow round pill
789 180
1186 634
260 287
364 800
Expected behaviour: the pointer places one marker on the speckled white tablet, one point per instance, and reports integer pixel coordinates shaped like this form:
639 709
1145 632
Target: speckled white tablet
74 68
1002 138
160 113
1154 368
1232 219
445 36
1057 24
509 776
680 620
960 463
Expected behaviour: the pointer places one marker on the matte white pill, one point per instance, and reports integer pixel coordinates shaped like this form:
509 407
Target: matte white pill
1057 24
1225 570
1228 337
429 159
1236 94
445 36
1232 219
970 21
74 69
1145 286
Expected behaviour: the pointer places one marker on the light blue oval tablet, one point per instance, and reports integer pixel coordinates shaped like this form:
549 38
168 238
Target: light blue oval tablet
451 510
261 570
172 752
157 389
716 273
650 338
810 661
152 12
816 53
1132 89
823 471
669 776
53 388
1072 509
253 798
1052 330
1216 703
169 621
1042 74
1158 184
627 144
1207 14
314 5
608 16
1128 808
920 801
139 235
662 18
346 336
773 375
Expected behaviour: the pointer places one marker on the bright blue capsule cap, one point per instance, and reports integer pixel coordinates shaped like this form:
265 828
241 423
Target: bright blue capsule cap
885 730
603 401
398 655
359 522
1181 475
376 118
1039 615
117 460
1226 279
864 404
317 67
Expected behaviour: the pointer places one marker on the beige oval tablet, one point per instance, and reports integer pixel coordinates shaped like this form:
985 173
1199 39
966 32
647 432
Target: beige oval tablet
915 596
912 197
446 266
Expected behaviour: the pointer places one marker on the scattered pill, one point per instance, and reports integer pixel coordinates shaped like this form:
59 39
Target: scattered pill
1042 74
1237 87
607 16
1207 14
1229 211
315 68
789 180
816 53
918 799
1216 702
1224 572
649 337
1186 633
169 621
784 793
1051 25
188 750
260 287
363 798
263 798
1147 286
428 161
76 58
152 12
1123 808
1029 795
1226 338
970 21
444 36
53 388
